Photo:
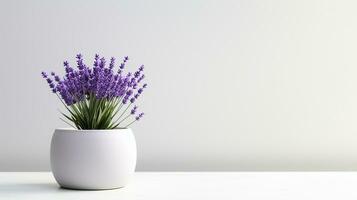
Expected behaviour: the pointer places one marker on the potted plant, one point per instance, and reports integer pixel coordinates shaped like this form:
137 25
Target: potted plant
99 150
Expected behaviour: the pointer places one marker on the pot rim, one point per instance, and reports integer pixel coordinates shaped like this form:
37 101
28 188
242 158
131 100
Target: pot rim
90 130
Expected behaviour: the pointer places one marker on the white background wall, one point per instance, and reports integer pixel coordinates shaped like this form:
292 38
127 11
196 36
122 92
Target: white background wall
234 85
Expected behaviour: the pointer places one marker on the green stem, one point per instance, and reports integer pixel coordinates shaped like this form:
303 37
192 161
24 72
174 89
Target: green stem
130 123
68 123
125 118
124 111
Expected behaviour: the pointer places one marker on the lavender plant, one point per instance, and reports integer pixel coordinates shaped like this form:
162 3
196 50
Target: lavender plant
98 97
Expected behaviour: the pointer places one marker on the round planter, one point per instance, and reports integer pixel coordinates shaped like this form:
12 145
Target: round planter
93 159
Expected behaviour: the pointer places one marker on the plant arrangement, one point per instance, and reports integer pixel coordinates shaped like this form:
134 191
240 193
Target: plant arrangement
98 97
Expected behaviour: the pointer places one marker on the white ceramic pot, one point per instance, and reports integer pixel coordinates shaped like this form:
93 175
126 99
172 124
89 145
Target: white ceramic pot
93 159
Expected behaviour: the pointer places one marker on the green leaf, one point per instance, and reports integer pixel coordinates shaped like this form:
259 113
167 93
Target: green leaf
93 113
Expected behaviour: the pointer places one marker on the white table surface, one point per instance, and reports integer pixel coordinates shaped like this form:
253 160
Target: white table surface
192 185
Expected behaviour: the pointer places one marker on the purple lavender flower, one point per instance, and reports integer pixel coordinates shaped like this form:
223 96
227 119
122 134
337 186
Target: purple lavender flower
44 75
67 67
141 78
80 63
129 92
49 81
132 100
135 85
137 74
133 111
100 80
102 62
125 100
112 62
96 60
139 116
122 65
141 68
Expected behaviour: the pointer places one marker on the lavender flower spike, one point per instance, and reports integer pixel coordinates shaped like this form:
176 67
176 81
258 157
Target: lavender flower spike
133 111
122 65
139 116
112 62
80 63
44 75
